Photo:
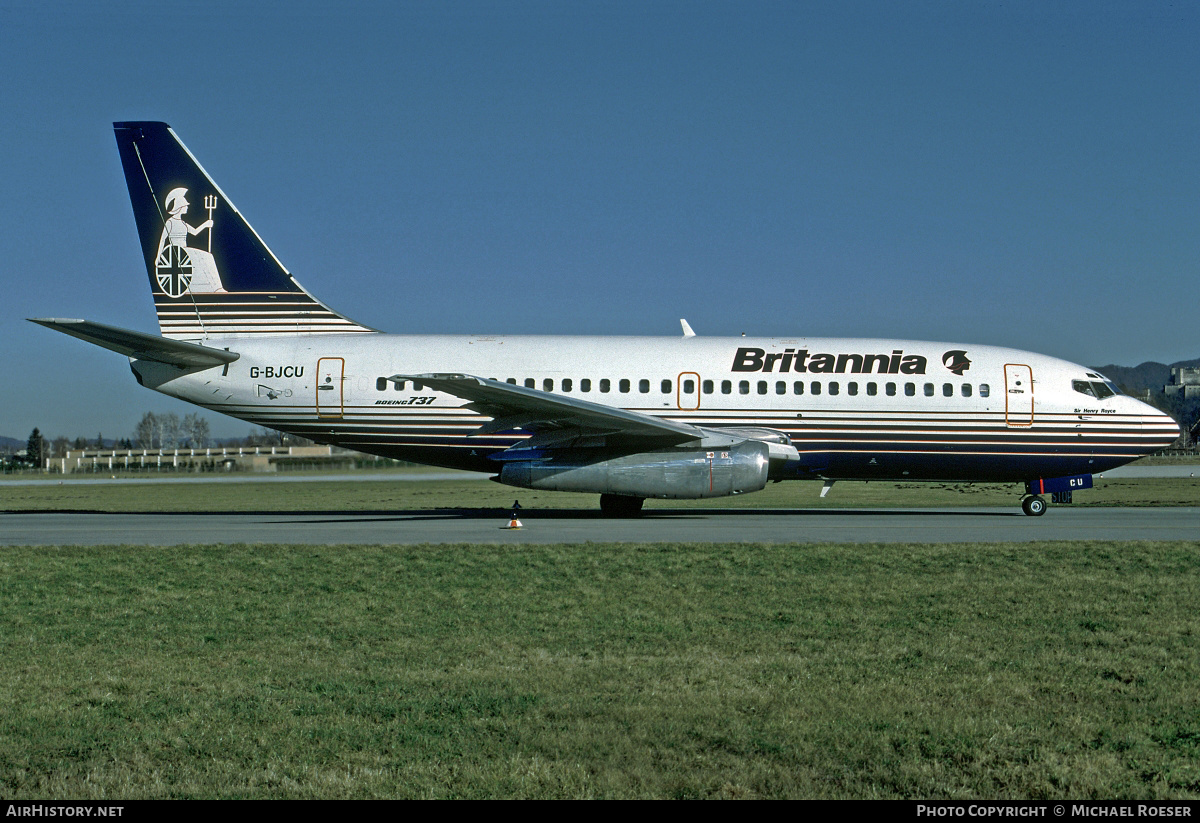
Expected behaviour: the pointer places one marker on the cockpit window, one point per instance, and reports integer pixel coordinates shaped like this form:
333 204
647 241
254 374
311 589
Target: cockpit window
1112 387
1095 388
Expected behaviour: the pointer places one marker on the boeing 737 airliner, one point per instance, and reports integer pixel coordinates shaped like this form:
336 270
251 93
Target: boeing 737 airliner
626 417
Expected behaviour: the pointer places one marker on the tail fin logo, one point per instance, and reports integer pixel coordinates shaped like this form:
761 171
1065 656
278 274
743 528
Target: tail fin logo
178 267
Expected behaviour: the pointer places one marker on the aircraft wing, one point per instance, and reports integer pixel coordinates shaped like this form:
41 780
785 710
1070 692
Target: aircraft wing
140 346
534 411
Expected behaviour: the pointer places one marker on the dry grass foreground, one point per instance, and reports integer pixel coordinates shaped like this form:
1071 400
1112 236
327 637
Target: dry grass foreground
1051 670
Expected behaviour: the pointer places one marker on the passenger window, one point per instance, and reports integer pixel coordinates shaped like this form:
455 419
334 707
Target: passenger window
708 386
566 384
929 390
966 389
872 389
891 389
689 386
547 384
418 386
726 387
530 383
798 387
814 387
984 390
947 390
380 383
623 386
762 386
666 387
744 387
780 387
585 385
605 386
834 388
910 389
511 380
644 386
399 385
852 389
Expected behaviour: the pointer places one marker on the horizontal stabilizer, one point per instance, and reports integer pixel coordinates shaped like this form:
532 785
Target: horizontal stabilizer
140 346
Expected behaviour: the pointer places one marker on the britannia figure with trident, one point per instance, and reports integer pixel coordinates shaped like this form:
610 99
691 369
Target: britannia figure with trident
179 267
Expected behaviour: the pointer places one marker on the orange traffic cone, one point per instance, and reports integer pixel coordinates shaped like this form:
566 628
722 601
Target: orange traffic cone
513 522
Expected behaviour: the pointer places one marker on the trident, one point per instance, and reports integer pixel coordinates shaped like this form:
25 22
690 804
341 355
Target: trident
210 203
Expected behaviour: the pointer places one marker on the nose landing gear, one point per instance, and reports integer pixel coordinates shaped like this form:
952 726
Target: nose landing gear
1033 505
1060 487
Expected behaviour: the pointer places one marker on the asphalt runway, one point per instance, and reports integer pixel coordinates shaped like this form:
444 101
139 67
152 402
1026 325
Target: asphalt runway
100 478
576 526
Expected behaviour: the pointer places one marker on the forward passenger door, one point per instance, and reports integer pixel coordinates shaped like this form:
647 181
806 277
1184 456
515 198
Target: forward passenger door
1018 395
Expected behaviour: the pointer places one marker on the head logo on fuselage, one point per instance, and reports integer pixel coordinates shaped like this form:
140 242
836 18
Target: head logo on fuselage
956 361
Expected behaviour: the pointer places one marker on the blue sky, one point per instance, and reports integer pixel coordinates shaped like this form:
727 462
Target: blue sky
1018 174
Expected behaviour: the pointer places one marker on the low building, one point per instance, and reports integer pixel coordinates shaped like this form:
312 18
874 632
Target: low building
238 458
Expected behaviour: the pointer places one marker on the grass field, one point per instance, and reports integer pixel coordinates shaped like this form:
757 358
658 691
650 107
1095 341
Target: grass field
1054 670
952 671
388 495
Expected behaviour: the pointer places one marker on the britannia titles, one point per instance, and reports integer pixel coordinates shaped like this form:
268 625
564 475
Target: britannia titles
789 360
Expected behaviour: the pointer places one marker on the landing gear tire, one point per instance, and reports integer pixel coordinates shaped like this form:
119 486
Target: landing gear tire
1033 506
618 505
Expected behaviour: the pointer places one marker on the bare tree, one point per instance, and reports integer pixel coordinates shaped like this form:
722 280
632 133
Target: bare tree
195 431
168 430
146 431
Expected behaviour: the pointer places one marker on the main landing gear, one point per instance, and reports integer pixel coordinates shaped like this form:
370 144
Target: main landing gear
1033 505
618 505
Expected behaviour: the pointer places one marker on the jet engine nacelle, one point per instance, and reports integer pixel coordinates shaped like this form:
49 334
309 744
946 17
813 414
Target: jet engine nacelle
667 473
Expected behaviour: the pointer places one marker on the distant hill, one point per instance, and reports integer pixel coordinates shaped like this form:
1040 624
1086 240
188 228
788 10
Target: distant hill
11 444
1136 379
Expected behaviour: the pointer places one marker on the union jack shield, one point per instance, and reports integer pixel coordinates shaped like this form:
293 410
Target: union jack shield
173 268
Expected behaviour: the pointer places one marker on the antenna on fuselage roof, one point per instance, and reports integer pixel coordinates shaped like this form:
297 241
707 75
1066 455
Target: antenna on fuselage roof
687 330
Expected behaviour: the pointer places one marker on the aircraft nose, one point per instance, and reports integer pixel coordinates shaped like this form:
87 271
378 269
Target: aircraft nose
1159 429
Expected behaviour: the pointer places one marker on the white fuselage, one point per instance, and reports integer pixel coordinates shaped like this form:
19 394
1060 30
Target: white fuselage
853 408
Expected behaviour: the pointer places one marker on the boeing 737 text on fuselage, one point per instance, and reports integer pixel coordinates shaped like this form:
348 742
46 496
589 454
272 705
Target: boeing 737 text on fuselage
628 418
